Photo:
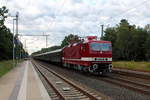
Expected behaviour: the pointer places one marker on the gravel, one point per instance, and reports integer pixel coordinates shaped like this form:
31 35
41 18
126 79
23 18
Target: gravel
108 89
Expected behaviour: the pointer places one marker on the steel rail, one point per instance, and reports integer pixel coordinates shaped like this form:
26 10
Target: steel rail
134 74
128 84
139 87
90 95
54 88
131 82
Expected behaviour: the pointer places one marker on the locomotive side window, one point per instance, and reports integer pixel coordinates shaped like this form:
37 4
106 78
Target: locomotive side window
84 47
100 46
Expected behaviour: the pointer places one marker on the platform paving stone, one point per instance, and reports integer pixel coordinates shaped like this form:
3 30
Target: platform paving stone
22 83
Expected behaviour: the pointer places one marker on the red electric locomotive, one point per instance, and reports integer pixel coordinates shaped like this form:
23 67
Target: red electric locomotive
90 55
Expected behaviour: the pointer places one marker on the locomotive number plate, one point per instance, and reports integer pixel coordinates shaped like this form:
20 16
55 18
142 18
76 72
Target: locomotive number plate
100 59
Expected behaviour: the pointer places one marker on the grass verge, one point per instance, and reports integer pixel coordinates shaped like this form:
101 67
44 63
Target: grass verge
141 66
5 66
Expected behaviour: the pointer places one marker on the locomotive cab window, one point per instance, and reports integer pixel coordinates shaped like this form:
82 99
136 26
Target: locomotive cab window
100 46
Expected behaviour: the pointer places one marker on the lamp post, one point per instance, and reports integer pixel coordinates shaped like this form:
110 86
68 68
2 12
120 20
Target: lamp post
15 18
13 43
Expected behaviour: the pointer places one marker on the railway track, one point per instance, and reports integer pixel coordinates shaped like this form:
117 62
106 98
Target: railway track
130 82
130 73
64 89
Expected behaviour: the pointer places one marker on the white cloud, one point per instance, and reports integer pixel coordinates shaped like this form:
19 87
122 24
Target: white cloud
59 18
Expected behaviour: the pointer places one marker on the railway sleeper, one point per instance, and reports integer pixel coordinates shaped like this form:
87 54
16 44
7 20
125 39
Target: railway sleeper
74 94
77 98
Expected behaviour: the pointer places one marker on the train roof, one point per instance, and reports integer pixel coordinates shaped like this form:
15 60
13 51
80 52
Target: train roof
54 51
90 39
98 41
85 41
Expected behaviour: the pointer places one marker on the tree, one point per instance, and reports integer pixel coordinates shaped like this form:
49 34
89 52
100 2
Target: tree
50 49
70 39
139 38
3 15
67 40
127 41
6 38
123 41
110 35
43 50
147 47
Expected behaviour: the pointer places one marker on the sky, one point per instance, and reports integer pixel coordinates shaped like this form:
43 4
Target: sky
59 18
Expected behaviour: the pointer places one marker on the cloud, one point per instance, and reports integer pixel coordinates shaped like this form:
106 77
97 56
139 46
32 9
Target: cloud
59 18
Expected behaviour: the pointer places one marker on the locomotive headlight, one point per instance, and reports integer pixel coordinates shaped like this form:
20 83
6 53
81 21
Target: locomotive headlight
110 67
95 66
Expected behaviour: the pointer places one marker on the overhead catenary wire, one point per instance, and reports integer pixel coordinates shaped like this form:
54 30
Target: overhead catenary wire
52 23
114 19
2 3
129 10
59 10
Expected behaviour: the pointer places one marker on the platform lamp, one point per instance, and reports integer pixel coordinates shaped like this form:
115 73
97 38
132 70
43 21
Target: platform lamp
15 18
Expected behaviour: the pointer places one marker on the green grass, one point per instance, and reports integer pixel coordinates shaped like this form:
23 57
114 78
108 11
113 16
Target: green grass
144 66
5 66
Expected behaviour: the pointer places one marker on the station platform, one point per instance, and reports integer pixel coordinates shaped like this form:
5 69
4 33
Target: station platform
22 83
